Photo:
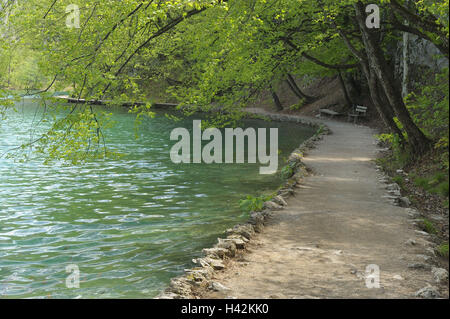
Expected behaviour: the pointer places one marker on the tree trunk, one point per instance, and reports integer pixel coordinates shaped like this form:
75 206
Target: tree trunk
277 101
383 108
294 87
418 142
386 113
344 89
405 79
9 71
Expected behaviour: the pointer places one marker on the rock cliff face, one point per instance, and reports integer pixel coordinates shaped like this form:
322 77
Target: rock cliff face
422 55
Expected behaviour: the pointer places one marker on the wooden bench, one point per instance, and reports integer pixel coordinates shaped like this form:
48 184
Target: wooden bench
328 112
358 111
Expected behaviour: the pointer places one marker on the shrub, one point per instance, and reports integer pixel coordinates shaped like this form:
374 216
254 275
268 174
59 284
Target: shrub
428 226
253 204
401 157
298 106
421 182
437 184
442 189
429 106
399 180
288 171
442 250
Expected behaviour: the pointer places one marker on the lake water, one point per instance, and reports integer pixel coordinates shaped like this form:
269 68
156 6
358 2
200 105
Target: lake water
129 224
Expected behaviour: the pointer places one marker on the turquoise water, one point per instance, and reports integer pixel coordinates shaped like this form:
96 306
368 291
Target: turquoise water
129 224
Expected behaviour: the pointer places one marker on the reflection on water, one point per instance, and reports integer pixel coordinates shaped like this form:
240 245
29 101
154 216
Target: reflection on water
129 224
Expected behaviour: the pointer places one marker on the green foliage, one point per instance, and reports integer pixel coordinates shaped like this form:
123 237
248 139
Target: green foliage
288 171
141 112
421 182
298 105
428 226
74 138
438 183
320 130
208 53
400 155
5 103
442 250
430 106
19 62
399 180
430 110
442 189
253 204
442 147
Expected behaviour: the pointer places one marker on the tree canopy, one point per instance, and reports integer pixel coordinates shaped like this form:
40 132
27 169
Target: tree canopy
210 53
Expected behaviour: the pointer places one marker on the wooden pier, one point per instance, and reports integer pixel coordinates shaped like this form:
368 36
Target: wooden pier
105 102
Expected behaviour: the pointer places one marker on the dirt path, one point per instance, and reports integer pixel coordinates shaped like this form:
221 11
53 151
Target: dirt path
336 225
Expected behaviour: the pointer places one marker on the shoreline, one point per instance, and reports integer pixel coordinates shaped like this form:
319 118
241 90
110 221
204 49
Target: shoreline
198 280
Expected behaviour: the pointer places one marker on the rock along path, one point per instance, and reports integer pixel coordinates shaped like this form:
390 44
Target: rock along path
337 224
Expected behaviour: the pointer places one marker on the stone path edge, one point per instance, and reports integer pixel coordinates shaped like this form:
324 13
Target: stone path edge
197 280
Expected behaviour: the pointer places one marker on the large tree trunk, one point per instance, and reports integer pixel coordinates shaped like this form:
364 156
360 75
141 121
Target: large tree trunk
294 87
383 108
418 142
386 113
377 95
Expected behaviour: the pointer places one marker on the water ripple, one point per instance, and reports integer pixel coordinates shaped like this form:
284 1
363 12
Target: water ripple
129 224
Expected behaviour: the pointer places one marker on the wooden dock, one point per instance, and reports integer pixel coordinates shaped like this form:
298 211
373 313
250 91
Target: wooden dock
69 99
